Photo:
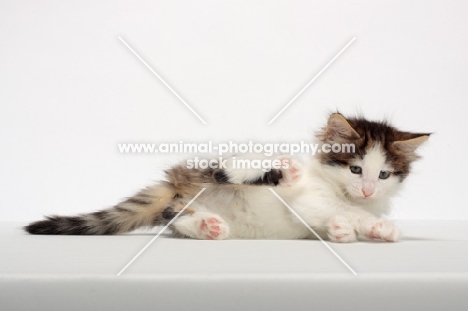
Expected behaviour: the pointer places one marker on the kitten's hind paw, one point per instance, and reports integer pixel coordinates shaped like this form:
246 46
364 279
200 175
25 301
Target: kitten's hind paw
341 230
212 228
203 226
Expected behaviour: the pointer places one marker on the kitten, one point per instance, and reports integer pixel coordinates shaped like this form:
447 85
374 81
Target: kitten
340 195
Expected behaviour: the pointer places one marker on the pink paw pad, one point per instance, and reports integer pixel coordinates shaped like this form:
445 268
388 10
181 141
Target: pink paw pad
210 228
291 171
340 230
383 230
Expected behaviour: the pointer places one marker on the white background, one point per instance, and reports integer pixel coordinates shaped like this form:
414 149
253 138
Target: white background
70 91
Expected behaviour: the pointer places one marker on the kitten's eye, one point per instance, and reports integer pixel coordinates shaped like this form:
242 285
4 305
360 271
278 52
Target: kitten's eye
384 174
356 169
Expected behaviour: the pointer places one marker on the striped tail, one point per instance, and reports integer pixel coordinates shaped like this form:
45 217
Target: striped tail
144 209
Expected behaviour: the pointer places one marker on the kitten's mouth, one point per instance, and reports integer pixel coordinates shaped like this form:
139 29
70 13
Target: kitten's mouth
361 198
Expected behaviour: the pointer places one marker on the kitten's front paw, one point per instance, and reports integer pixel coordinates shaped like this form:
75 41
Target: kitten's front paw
290 169
341 230
381 229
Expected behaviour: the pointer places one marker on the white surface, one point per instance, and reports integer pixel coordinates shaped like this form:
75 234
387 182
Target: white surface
427 270
71 91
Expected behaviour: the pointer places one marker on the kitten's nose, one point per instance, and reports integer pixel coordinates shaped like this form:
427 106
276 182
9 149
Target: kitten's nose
367 192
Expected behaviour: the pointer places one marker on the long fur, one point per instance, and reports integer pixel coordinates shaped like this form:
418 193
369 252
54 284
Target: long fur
337 203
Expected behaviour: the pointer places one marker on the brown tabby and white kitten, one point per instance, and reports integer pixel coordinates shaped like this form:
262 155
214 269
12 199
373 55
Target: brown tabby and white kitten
340 195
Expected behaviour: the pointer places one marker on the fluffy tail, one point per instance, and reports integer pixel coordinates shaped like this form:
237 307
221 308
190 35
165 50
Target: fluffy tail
144 209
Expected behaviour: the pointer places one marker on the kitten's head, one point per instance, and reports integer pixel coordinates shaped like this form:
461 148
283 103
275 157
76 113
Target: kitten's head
381 159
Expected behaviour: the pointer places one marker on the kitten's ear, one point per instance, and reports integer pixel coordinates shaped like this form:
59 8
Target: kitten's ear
339 128
410 145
